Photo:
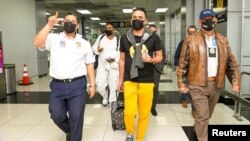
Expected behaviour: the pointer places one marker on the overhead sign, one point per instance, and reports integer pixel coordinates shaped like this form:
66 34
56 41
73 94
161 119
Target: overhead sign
95 36
220 3
221 17
121 24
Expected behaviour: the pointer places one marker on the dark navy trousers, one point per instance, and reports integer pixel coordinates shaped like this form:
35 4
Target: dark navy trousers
67 105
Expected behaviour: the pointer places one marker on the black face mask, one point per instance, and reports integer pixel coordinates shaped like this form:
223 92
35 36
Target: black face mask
69 27
108 32
137 24
208 25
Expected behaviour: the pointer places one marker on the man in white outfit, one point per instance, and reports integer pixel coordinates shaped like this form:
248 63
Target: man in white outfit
107 48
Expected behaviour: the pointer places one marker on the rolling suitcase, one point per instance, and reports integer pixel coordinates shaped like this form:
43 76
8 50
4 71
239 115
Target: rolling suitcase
117 113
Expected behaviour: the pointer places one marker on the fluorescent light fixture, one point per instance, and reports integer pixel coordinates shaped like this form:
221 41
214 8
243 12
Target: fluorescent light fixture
86 27
84 11
151 22
161 10
53 28
47 13
162 22
102 23
127 10
60 19
95 18
58 24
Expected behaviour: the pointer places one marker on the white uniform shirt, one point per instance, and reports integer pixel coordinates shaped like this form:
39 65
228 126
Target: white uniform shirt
68 57
212 57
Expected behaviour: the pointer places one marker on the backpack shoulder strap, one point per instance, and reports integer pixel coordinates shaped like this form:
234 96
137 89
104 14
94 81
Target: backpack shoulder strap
117 43
101 37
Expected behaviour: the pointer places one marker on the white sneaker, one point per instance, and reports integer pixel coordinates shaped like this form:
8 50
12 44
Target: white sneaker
104 102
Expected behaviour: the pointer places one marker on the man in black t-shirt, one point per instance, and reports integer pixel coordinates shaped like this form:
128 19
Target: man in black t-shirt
158 70
140 49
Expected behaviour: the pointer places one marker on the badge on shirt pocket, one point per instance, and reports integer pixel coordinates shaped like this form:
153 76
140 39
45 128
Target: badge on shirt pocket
212 52
62 44
78 44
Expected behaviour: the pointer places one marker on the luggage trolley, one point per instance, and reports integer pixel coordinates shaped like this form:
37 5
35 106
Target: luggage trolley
237 104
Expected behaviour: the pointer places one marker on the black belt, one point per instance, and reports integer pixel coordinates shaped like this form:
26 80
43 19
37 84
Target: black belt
68 80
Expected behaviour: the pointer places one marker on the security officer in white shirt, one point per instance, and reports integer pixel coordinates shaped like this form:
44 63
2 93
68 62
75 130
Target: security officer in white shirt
107 49
71 58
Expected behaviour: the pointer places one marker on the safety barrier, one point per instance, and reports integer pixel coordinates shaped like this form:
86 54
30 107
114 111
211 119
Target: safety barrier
239 100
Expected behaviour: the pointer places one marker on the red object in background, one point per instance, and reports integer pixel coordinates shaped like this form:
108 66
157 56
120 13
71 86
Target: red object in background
1 58
26 79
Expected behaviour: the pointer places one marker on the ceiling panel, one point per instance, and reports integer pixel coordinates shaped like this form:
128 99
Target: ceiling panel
111 10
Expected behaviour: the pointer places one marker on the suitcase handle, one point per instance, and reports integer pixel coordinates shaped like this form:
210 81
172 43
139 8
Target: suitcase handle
118 106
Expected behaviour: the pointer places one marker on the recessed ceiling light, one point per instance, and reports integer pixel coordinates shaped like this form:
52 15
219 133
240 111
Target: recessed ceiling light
95 18
102 23
151 22
127 10
84 11
161 10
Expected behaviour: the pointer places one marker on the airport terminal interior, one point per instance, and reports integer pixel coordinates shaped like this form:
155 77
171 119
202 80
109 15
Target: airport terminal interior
24 114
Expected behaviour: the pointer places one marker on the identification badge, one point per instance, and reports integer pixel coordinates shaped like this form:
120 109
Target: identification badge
62 44
214 42
212 52
78 44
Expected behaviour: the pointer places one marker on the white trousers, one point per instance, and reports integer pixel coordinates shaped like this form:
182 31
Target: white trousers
106 78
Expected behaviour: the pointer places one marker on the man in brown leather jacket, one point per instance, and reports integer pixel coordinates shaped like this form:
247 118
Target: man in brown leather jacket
205 60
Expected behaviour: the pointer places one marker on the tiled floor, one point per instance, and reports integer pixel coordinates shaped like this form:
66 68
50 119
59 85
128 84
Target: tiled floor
25 117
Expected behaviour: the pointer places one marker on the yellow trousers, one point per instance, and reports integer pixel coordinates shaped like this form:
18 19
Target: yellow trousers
137 97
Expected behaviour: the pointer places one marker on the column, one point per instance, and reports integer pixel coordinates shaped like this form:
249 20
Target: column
42 56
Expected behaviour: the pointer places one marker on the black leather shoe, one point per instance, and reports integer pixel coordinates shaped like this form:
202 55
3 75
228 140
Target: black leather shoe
153 112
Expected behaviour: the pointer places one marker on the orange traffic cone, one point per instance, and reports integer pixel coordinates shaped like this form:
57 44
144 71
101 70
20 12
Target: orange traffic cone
26 79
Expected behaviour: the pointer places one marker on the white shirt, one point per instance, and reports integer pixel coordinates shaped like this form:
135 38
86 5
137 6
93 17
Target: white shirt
68 57
110 50
212 57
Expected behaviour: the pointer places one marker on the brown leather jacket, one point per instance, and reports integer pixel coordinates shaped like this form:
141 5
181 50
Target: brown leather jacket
192 68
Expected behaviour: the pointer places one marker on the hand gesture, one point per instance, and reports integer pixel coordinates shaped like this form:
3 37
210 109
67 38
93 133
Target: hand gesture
91 92
183 89
235 88
53 19
110 60
100 49
120 87
146 58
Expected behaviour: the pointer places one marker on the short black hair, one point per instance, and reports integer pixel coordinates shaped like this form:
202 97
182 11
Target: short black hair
77 19
152 25
192 26
109 23
140 9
